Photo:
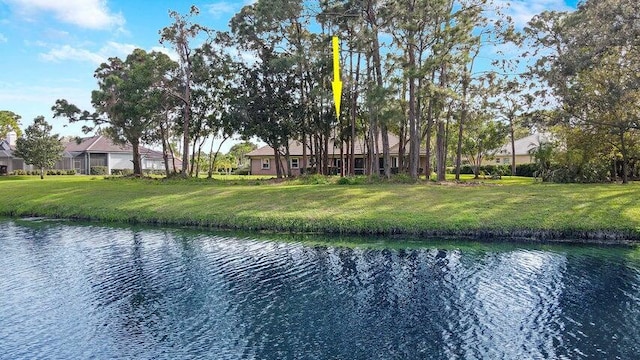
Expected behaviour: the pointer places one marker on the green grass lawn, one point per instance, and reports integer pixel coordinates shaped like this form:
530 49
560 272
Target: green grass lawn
510 206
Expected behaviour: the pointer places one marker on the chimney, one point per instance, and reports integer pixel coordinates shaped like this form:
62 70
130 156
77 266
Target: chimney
11 138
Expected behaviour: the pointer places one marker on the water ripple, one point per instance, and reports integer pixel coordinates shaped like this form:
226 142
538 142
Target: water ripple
78 292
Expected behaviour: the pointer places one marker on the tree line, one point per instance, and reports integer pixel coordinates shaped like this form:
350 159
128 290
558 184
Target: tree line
413 68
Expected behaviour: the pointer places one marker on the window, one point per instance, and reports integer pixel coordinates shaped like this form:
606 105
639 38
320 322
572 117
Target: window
497 160
507 160
266 164
295 163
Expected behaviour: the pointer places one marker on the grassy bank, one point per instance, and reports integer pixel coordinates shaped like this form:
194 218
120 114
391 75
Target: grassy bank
500 208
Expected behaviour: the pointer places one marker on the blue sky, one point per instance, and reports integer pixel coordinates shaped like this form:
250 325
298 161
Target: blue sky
50 48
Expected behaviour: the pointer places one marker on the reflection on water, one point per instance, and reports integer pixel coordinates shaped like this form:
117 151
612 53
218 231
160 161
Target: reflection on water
96 292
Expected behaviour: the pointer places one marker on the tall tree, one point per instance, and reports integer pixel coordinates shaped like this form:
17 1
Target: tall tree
127 101
180 34
268 102
39 147
589 60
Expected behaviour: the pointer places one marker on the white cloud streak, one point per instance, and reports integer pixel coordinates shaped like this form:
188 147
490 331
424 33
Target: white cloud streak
218 9
522 11
70 53
3 39
89 14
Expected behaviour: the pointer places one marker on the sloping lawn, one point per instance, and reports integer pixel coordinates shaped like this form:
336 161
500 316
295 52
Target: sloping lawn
513 205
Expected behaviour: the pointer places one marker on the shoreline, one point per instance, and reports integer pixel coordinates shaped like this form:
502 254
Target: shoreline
540 236
518 210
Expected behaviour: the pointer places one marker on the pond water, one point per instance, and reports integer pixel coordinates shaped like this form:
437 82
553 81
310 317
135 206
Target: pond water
85 291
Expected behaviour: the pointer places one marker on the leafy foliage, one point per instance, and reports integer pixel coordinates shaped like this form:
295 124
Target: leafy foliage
9 121
127 100
590 61
39 147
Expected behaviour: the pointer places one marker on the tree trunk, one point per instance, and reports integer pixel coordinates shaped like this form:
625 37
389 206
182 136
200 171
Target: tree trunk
41 173
341 159
413 133
137 162
173 157
625 159
513 147
354 106
377 65
427 167
165 151
287 159
303 161
185 140
440 151
193 156
211 160
199 155
462 120
403 134
276 155
325 156
463 116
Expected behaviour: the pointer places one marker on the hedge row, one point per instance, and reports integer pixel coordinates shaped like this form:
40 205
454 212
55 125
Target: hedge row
127 172
47 172
527 170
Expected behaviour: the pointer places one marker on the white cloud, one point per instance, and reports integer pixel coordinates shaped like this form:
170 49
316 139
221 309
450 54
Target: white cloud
67 52
3 39
90 14
70 53
117 49
218 9
521 11
55 34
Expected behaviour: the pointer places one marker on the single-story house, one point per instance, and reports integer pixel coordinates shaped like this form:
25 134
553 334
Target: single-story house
263 159
523 148
101 151
84 153
7 161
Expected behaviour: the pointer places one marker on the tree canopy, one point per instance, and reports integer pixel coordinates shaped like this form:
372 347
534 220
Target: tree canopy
39 147
9 121
126 101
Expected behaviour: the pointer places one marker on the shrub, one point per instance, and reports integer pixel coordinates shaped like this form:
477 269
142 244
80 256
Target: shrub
527 170
98 170
123 172
314 179
502 170
242 171
153 172
591 172
465 169
402 179
352 180
71 172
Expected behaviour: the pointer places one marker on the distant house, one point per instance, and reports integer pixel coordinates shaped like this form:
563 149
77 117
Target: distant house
263 159
523 148
88 152
7 161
